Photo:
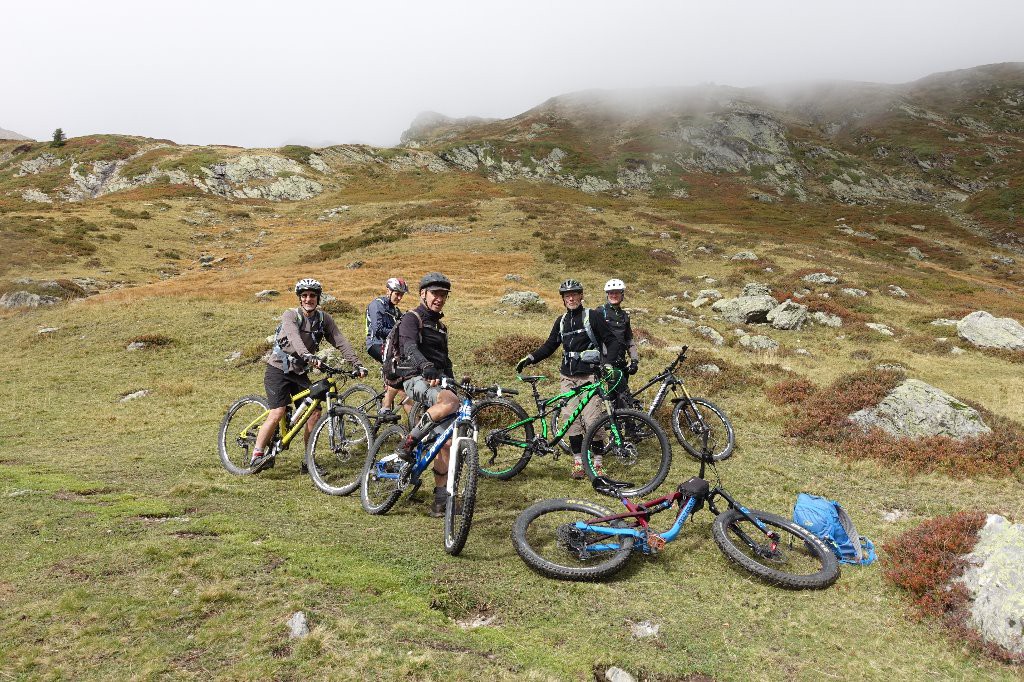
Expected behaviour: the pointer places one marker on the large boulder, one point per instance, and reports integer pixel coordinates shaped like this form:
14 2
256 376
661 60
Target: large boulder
995 580
915 409
25 299
758 342
745 309
524 300
788 315
986 331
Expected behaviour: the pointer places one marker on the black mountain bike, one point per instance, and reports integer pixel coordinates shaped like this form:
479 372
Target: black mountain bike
692 418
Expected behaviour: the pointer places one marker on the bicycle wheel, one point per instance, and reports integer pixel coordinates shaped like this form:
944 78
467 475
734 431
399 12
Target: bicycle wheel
238 432
640 453
337 450
458 515
379 486
362 398
546 537
796 559
503 450
689 430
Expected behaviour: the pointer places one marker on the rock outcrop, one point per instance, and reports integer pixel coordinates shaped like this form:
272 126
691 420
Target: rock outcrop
986 331
915 409
995 580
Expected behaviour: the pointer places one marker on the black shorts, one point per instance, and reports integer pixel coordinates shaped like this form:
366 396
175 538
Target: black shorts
281 385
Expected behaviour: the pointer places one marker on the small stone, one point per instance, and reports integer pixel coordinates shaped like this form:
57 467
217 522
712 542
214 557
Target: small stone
802 351
820 278
956 350
355 265
135 345
745 255
234 356
1003 260
267 293
48 330
135 396
758 342
896 291
708 368
614 674
882 329
513 278
857 293
918 228
895 515
915 253
644 629
944 322
710 334
297 626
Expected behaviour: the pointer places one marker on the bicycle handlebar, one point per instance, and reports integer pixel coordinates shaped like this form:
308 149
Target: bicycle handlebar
466 387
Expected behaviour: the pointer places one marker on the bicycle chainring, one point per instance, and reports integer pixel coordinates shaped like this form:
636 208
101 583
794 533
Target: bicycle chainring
573 540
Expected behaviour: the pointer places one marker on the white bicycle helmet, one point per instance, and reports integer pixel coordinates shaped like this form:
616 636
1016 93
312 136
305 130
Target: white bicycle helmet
615 285
309 284
397 284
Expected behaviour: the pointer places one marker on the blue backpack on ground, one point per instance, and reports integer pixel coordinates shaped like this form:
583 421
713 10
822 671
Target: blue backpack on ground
829 521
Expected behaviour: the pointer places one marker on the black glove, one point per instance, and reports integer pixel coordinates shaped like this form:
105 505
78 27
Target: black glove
523 363
430 373
311 360
361 371
634 365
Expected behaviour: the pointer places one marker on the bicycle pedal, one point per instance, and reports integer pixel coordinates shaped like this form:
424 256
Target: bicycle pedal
656 543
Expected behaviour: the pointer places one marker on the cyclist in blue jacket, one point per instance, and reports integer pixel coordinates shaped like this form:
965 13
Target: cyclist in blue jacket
381 316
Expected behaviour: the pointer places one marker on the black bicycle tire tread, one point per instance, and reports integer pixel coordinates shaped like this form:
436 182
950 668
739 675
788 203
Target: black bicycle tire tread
557 571
828 574
364 423
666 451
521 413
225 460
471 468
730 431
371 457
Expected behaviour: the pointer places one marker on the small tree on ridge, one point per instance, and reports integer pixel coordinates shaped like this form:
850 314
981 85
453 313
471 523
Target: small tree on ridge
58 138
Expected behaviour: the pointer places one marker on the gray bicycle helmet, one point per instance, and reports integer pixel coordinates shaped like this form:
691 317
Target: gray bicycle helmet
435 280
397 284
309 284
569 286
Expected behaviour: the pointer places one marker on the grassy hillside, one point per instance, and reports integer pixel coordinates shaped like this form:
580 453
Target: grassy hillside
130 553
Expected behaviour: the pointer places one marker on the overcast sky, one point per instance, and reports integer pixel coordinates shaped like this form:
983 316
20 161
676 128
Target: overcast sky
258 73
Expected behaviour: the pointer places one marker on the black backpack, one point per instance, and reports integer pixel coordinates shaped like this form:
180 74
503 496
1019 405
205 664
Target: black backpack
391 367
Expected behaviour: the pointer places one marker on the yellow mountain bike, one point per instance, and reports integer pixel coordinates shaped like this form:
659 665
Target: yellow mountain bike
337 445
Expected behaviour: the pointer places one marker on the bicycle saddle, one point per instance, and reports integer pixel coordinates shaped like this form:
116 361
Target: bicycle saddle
609 487
533 379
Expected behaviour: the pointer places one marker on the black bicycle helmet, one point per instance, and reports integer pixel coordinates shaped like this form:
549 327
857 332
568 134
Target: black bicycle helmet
435 280
569 286
309 284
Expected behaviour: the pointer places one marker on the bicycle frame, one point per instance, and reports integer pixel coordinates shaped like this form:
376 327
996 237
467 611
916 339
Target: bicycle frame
286 431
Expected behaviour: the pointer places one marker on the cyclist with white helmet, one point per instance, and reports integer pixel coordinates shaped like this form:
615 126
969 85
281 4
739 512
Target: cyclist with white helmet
381 316
576 331
298 338
619 324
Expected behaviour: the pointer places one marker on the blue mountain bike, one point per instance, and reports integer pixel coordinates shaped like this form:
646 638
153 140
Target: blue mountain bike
386 476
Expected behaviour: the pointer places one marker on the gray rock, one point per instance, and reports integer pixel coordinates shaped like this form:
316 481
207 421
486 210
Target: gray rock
895 515
614 674
915 253
234 356
890 367
529 300
882 329
1003 260
135 396
995 580
856 293
944 322
267 293
297 625
820 278
956 350
745 309
788 315
985 331
710 334
513 278
36 196
134 346
708 368
644 629
48 330
896 291
802 351
705 296
915 409
918 228
756 289
758 342
25 299
355 265
745 255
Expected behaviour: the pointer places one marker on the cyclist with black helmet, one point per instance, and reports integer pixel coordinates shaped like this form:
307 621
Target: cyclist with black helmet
619 324
298 338
577 331
381 315
424 361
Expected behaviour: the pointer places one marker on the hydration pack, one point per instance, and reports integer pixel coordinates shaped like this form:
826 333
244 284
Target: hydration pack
828 520
280 350
391 354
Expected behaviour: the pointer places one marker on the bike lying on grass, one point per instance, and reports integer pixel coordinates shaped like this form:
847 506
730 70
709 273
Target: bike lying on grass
630 442
691 417
579 540
386 476
337 446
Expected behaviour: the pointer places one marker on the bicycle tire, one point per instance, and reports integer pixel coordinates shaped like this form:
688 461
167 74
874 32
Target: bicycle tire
235 455
378 494
544 538
492 416
690 437
458 514
337 450
815 565
643 458
361 397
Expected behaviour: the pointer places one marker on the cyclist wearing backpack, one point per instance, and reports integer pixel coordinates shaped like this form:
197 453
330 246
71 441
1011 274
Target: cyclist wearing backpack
619 324
381 316
421 362
577 330
297 339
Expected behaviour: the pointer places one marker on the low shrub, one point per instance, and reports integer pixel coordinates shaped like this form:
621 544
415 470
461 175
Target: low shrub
253 353
507 351
925 561
152 339
338 307
791 391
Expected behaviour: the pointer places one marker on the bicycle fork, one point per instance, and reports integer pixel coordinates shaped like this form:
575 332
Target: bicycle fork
464 418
